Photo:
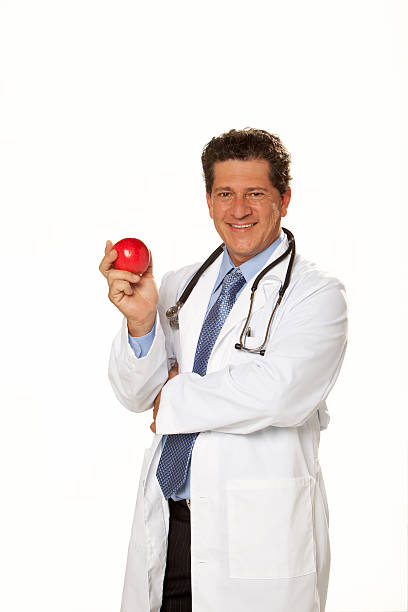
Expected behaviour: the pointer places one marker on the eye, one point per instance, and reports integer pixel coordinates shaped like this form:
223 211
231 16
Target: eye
224 194
256 194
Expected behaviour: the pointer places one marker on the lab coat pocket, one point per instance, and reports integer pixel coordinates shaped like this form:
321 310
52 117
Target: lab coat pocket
270 528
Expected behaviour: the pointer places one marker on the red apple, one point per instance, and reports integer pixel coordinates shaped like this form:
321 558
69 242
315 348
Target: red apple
133 255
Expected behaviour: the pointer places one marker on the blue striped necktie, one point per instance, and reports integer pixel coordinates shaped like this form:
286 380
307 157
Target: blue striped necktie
176 454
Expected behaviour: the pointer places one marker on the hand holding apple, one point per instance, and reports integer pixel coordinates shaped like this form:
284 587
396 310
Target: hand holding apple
135 296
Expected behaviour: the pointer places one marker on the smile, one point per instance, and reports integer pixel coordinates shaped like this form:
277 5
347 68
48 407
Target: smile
241 228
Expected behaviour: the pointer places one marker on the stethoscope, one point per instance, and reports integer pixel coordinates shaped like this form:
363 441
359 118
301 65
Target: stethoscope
172 312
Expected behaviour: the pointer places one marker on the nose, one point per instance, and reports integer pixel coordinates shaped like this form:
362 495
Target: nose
240 206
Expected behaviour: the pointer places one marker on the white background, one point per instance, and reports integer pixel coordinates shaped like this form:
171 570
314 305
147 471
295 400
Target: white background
104 108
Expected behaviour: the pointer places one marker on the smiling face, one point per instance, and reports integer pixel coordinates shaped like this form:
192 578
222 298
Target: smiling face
245 206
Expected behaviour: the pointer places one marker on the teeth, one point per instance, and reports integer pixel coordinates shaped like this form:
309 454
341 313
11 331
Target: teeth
249 225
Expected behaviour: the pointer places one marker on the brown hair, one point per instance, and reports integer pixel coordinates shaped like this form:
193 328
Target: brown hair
248 144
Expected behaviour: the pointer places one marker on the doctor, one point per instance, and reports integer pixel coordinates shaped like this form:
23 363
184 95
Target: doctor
233 468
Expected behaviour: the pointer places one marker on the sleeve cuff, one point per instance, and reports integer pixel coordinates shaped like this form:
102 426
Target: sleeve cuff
141 344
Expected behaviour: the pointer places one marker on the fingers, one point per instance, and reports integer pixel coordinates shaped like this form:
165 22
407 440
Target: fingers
121 280
156 405
121 283
118 287
113 275
174 370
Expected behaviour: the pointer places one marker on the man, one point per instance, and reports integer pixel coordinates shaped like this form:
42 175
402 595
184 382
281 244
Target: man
233 470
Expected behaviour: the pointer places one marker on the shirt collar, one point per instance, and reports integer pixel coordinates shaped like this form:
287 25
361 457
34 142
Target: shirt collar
248 268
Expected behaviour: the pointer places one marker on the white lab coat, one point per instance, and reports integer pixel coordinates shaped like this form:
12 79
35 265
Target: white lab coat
259 515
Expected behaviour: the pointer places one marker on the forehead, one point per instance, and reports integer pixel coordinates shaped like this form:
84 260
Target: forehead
241 173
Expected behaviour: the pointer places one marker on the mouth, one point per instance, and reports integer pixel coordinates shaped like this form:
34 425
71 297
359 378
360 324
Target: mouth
242 227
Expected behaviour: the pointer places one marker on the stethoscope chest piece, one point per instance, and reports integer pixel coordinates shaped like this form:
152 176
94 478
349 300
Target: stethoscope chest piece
172 315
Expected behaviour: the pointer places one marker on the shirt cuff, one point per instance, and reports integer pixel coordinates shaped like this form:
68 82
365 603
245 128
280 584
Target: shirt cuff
141 344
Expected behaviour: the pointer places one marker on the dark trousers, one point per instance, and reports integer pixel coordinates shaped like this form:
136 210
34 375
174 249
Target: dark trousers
177 578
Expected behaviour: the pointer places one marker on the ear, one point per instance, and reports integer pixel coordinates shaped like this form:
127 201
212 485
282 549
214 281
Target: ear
285 199
210 206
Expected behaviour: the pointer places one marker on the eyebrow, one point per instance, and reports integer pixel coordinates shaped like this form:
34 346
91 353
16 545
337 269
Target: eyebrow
248 189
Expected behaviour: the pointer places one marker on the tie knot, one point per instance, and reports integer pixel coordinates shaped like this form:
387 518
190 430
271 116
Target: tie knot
233 279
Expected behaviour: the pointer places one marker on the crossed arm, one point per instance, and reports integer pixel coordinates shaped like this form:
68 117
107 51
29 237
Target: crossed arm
282 389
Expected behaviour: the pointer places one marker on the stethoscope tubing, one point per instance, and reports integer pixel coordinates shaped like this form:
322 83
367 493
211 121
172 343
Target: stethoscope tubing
172 312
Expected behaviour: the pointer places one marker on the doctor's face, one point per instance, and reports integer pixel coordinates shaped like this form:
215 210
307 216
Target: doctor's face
245 206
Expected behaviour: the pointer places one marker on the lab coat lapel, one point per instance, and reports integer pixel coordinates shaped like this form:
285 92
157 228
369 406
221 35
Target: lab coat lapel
191 315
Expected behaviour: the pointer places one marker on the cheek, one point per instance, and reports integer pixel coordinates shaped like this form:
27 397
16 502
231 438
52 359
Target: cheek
218 214
274 212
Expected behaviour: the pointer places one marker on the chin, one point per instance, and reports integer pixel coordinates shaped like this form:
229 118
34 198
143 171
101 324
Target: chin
242 256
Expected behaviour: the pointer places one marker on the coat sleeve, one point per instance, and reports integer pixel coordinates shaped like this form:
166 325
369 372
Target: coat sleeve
137 381
282 389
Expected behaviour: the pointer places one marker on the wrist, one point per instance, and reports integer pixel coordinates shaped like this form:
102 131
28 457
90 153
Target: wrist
137 329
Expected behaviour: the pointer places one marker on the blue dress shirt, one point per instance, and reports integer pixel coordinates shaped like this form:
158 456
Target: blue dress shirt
249 269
